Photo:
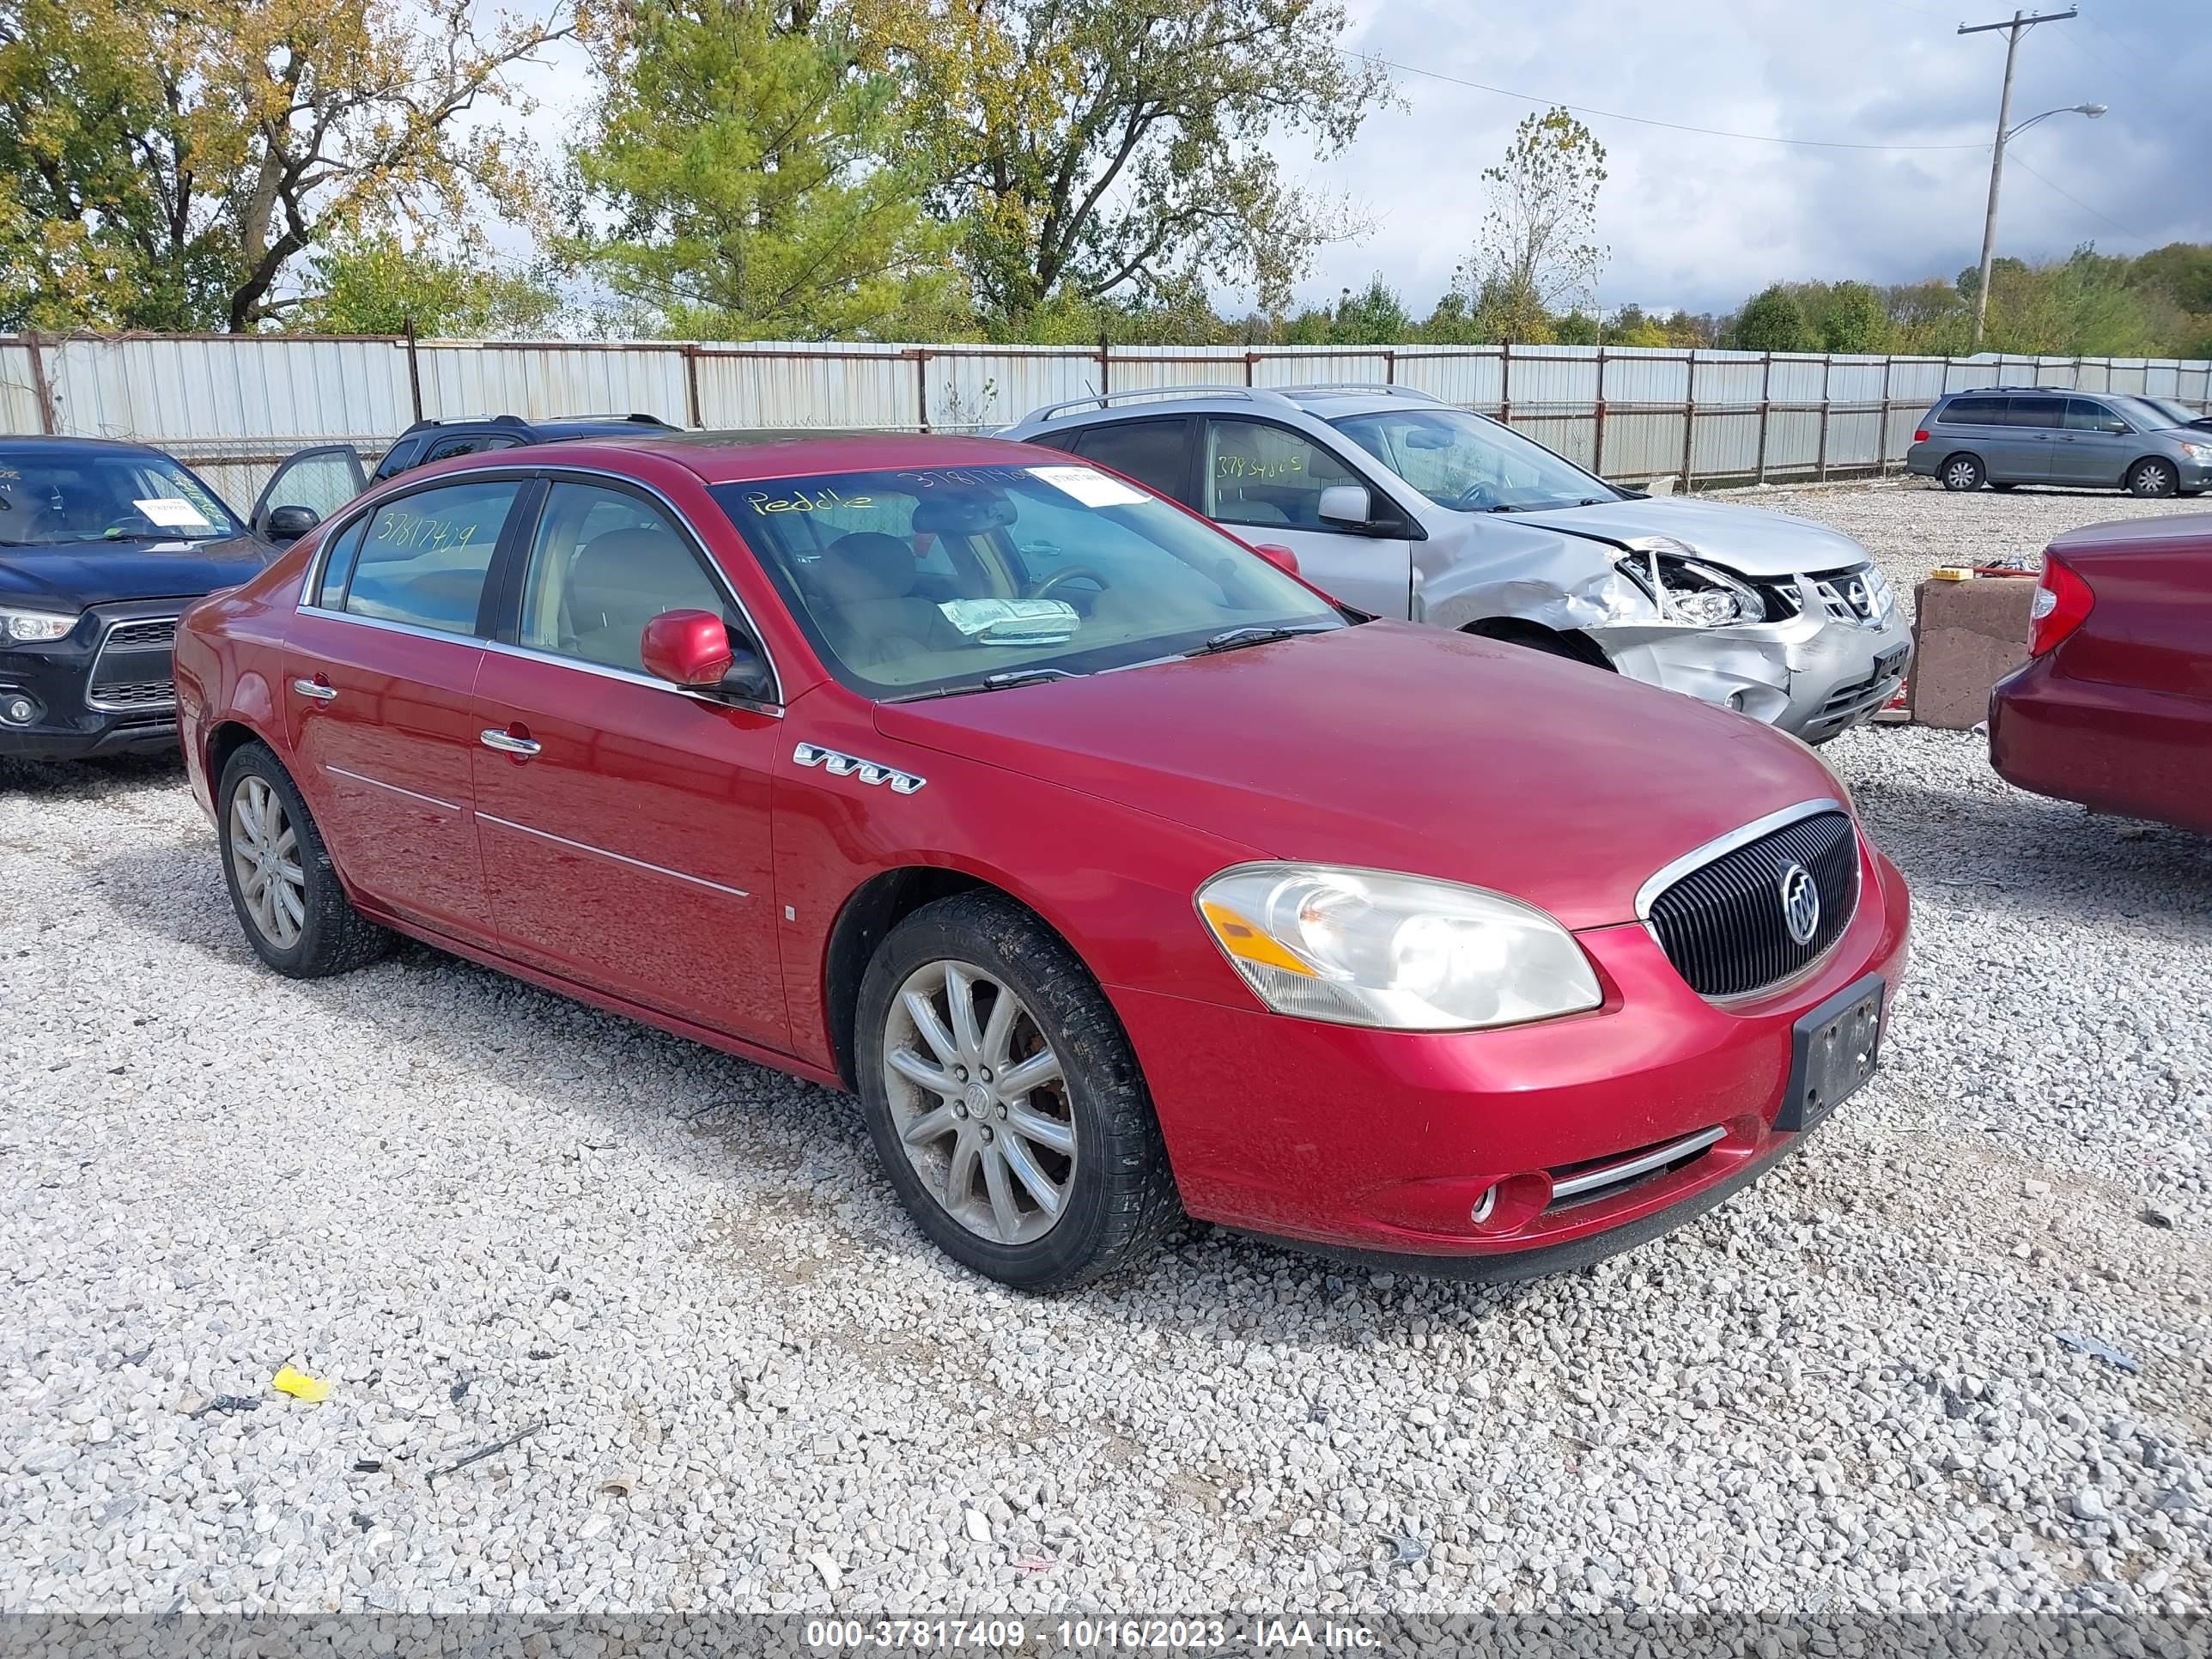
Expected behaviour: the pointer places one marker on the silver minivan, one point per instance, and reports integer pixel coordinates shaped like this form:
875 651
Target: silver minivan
1397 504
2006 436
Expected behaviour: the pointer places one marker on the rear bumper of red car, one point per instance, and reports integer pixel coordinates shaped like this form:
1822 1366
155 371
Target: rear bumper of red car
1383 1144
2114 748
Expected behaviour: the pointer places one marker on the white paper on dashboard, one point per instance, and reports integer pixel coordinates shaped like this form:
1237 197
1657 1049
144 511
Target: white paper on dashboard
1012 622
1090 486
173 513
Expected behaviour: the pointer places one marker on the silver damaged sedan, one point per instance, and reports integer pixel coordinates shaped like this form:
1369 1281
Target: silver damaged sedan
1398 504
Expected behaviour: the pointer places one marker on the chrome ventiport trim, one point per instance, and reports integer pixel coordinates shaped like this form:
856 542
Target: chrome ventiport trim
1658 1157
619 858
1668 874
839 765
379 783
92 699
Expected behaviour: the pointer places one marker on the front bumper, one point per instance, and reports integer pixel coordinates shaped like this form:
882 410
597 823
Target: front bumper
104 690
1384 1143
1813 675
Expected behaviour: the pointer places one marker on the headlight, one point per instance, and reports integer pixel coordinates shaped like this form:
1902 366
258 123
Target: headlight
2198 451
1363 947
34 625
1686 588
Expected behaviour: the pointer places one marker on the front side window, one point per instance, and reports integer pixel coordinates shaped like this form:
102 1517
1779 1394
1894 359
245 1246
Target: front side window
1267 476
2082 415
931 579
424 558
604 564
1461 461
71 497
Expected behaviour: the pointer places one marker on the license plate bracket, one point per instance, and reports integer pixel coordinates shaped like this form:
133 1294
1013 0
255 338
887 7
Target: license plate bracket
1833 1050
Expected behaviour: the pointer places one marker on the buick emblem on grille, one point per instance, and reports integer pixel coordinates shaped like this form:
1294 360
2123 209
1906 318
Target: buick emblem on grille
1801 904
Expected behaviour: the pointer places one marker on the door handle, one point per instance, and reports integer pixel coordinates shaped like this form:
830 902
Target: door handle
316 689
506 743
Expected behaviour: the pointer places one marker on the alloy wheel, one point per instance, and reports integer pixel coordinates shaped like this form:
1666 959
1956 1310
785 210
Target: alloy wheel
264 854
979 1101
2151 478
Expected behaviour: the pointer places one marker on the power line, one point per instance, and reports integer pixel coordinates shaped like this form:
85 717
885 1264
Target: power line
2079 203
1640 121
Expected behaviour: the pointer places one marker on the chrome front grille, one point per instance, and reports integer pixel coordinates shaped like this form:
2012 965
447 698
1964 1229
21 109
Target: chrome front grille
1724 923
131 669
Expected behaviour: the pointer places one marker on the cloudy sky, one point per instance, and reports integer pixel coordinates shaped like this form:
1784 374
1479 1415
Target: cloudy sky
1703 222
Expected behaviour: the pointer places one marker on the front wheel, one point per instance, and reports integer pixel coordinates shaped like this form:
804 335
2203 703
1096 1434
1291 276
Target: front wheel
1005 1101
1962 473
287 896
2152 476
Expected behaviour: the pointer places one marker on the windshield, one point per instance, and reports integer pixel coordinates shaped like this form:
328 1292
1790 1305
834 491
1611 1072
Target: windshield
70 497
944 579
2162 412
1462 461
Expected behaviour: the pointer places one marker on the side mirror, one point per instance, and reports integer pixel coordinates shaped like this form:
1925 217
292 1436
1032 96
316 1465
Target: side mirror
1277 555
288 523
1347 504
686 648
2118 429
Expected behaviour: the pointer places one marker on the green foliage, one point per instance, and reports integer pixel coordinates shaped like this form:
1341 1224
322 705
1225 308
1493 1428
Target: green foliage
1537 254
1108 148
1373 316
732 178
377 285
1852 317
1773 321
1577 328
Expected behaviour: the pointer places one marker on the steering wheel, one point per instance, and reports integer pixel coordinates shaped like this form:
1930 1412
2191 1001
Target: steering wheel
1477 497
132 523
1074 573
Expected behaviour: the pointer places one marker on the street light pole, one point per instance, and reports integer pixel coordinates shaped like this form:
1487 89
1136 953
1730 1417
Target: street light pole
2019 24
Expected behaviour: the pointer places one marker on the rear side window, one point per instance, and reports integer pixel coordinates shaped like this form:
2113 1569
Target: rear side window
1975 411
2038 411
337 567
1156 453
475 443
423 560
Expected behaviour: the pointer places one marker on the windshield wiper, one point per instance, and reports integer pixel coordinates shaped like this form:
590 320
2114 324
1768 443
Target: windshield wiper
990 683
1264 634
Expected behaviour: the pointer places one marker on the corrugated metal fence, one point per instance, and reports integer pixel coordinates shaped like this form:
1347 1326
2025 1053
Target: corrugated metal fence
236 405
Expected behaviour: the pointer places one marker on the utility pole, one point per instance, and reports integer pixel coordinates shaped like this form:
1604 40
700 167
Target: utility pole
2021 23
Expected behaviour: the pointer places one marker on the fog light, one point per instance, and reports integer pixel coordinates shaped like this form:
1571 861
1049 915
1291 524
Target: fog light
1484 1207
19 710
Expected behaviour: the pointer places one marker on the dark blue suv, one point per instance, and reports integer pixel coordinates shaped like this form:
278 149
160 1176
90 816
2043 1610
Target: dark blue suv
102 545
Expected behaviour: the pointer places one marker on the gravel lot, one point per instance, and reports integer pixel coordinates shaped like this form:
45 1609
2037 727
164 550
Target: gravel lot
732 1375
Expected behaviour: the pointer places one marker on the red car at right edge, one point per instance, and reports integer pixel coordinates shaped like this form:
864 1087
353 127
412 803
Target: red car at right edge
2113 707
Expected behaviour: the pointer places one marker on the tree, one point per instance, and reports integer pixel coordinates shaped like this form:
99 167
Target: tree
377 285
733 179
1853 319
1100 145
1772 321
1375 315
192 151
1537 255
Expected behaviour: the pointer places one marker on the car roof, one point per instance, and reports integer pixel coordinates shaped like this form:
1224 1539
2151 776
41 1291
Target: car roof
66 446
1321 402
717 457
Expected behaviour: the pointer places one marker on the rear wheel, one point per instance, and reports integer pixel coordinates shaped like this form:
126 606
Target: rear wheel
288 897
1005 1101
2152 476
1962 473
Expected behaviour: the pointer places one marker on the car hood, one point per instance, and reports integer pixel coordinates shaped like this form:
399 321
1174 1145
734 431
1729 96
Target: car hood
1748 540
77 574
1397 747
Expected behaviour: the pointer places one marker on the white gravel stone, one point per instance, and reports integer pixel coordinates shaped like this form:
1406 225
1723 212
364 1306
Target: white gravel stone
657 1264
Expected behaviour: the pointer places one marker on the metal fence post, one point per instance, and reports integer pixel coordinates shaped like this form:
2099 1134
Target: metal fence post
1881 437
921 386
1105 367
1827 371
691 380
39 388
1597 438
1765 407
1505 383
413 371
1689 419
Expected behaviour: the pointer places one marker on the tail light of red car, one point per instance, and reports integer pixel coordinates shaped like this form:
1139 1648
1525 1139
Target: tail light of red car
2062 601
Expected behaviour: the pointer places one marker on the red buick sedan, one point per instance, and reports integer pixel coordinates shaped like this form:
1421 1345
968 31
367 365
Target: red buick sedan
2113 707
1120 873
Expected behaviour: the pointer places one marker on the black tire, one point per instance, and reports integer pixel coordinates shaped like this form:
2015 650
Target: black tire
1961 473
1119 1195
331 937
1994 484
1534 637
2151 478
